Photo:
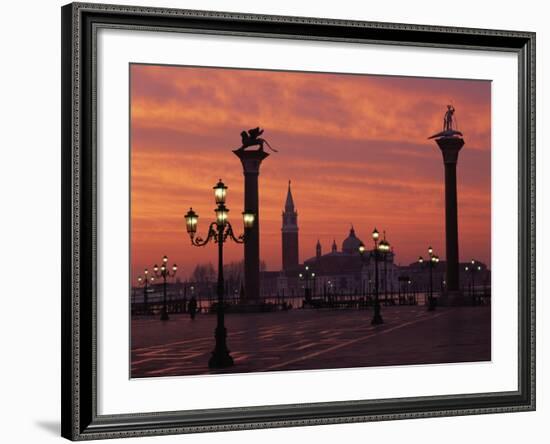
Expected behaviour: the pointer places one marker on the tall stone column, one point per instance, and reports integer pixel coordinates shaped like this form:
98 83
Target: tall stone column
251 161
450 146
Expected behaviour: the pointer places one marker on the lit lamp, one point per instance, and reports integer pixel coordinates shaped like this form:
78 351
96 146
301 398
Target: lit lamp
221 214
191 221
248 220
220 192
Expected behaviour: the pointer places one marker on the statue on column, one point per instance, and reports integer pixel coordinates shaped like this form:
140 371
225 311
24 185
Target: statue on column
448 119
252 138
449 125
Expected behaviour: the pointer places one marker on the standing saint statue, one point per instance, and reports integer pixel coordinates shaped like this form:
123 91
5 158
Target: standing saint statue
448 119
449 125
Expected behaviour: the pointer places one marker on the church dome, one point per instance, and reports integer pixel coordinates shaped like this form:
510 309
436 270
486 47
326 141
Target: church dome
351 243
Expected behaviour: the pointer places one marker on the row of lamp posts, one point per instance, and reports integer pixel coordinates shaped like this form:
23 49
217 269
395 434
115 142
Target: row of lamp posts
381 249
160 272
221 230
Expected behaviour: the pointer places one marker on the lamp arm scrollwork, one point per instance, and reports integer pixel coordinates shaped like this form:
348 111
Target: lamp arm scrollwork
229 233
212 234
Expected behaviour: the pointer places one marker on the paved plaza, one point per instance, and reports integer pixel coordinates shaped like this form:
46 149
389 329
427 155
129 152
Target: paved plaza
304 339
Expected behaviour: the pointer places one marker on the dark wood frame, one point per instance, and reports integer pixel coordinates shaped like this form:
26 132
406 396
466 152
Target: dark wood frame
78 334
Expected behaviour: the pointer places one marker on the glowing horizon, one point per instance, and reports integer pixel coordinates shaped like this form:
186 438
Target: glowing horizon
354 146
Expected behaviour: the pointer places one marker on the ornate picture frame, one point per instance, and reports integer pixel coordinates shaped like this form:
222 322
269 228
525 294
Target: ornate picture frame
80 175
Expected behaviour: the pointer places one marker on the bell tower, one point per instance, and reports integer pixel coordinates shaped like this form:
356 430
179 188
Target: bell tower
290 233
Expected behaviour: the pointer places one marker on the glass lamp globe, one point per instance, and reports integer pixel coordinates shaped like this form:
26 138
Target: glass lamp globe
220 192
191 221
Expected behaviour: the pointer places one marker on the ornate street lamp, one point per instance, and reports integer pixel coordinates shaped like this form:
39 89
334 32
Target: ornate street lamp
218 232
473 268
385 248
409 293
377 317
306 276
364 291
432 261
165 273
144 281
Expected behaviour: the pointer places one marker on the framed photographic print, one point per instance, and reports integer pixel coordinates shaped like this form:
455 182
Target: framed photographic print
280 221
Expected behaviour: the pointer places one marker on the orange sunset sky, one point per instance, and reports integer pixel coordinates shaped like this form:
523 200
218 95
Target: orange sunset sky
354 146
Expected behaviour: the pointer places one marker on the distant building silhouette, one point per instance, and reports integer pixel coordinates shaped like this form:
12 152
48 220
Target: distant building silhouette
290 234
337 271
318 249
343 271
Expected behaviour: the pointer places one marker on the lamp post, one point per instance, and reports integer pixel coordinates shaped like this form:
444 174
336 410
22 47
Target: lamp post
378 248
144 281
430 263
163 272
218 232
472 269
384 248
307 275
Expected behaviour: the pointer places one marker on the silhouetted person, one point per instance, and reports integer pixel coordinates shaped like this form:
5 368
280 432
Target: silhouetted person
184 304
192 307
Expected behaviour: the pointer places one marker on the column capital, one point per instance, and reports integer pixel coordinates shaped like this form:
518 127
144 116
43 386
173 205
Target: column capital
450 147
251 160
